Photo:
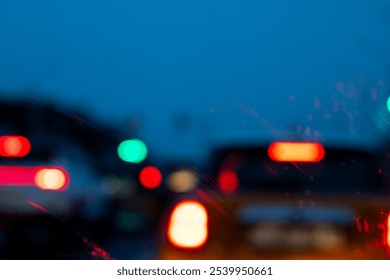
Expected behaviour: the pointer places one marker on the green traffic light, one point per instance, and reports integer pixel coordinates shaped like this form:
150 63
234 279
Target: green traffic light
133 151
388 104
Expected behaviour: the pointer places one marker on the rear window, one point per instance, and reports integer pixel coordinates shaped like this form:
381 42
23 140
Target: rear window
340 171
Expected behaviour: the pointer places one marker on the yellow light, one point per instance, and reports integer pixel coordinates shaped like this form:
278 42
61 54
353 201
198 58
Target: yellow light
188 225
182 181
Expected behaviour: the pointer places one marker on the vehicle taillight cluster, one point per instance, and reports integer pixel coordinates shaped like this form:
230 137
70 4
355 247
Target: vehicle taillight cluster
46 178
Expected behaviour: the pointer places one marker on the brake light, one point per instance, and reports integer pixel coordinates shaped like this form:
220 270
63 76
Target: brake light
14 146
150 177
228 181
51 179
188 225
296 152
388 231
43 177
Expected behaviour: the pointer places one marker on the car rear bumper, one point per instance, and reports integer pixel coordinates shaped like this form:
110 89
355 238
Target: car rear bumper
218 252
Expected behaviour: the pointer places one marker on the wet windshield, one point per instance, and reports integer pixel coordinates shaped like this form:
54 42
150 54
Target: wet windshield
114 112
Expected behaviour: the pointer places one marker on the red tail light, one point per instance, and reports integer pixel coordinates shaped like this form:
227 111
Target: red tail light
150 177
188 225
14 146
228 181
17 175
388 231
43 177
51 179
296 152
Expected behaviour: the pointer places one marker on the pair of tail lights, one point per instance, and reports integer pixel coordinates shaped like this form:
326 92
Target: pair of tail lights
46 178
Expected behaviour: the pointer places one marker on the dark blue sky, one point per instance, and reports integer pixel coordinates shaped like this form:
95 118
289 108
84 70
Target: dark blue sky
248 66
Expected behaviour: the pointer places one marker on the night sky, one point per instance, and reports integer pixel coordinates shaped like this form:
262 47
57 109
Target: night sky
188 71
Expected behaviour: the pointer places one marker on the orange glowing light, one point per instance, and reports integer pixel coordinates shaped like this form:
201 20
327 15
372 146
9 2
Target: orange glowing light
51 179
296 152
182 181
188 225
14 146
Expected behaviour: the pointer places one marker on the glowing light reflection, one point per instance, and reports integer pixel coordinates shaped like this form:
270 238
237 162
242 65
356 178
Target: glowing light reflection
14 146
388 230
188 225
133 151
296 152
182 181
150 177
50 179
228 181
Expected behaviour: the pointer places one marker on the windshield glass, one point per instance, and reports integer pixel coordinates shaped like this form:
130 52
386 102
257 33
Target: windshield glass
128 107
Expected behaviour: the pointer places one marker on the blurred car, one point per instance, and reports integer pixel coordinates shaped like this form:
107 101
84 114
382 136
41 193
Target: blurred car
62 180
283 200
28 231
65 162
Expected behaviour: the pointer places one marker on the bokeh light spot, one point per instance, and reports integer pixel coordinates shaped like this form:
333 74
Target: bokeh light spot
296 152
133 151
388 104
150 177
182 181
14 146
188 225
228 181
51 179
